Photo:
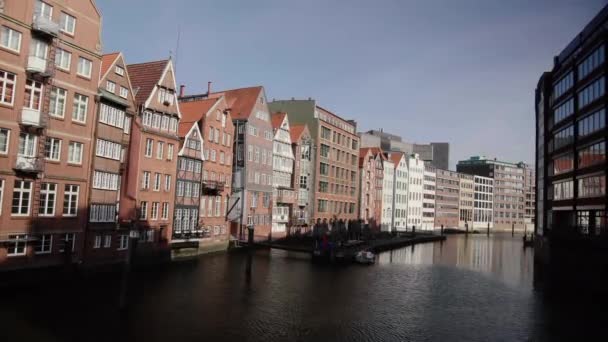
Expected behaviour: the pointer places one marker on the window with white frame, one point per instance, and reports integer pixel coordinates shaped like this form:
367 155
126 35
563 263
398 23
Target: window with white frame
7 87
147 119
167 182
33 95
48 195
157 182
143 210
107 241
111 87
170 152
159 150
75 152
57 105
39 48
44 244
164 124
16 245
52 149
211 132
222 157
156 120
124 92
119 70
79 108
108 149
165 96
127 125
85 67
102 213
180 188
10 39
111 116
1 193
97 242
188 189
5 135
27 144
69 241
63 59
70 200
145 182
173 126
154 212
22 195
165 211
149 148
67 23
196 188
105 180
123 243
42 9
218 205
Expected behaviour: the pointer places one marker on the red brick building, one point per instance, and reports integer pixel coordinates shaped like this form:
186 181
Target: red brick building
303 175
149 190
50 55
214 119
371 176
106 239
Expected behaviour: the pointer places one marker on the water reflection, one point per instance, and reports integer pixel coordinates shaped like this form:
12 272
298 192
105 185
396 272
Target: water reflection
500 256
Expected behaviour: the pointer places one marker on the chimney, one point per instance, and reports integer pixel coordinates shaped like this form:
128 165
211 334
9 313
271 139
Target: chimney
208 88
182 89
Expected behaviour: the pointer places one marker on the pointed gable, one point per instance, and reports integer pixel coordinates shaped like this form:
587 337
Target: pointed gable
241 101
107 61
278 119
296 132
145 77
194 111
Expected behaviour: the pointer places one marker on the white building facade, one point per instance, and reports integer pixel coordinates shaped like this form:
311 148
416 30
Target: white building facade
400 191
428 197
484 203
386 221
282 174
415 168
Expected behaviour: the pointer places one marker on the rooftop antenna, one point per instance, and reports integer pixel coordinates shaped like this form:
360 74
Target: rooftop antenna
177 47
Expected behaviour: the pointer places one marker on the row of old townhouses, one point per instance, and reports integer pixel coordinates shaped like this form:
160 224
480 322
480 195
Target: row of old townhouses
100 159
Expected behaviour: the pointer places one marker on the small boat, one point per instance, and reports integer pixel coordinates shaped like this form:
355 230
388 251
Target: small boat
365 257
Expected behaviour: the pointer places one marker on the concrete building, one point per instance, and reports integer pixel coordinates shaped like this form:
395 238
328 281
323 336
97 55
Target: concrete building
428 197
401 188
284 196
388 193
415 167
149 188
303 175
252 189
483 211
508 188
49 78
215 123
466 197
108 234
438 154
571 144
336 157
447 197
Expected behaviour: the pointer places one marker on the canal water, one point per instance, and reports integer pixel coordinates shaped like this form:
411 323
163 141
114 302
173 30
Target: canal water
468 288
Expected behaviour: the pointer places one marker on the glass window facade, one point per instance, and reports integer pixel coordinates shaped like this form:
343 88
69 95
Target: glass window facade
592 123
592 92
592 186
564 110
595 59
592 155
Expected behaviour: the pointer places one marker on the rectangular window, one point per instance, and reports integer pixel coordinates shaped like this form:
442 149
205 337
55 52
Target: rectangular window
595 59
563 85
592 92
111 116
165 212
22 194
16 245
97 242
44 244
69 240
324 151
10 39
592 123
5 135
33 95
107 241
127 125
563 190
111 87
105 180
103 213
48 194
147 119
57 105
7 87
145 182
593 186
27 145
563 164
564 110
149 147
164 123
157 182
39 49
75 152
159 150
167 182
123 243
154 213
156 120
43 9
324 169
119 70
143 211
67 23
84 67
170 152
70 200
124 92
79 109
52 149
108 149
63 59
592 155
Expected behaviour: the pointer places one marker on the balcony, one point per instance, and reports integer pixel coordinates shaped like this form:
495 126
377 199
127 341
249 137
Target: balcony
28 164
36 65
285 196
45 25
213 187
32 117
280 218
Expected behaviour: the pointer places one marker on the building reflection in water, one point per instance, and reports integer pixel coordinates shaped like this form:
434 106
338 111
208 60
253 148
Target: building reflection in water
500 256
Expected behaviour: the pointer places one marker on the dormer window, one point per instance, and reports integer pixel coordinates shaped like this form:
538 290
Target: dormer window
119 70
111 87
166 96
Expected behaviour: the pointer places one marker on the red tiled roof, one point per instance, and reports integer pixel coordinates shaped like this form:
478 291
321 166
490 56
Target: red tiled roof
240 101
396 157
144 76
193 111
363 153
106 61
277 119
296 132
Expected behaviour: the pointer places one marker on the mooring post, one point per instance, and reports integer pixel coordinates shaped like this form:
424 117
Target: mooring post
441 230
414 230
466 227
488 229
513 229
250 235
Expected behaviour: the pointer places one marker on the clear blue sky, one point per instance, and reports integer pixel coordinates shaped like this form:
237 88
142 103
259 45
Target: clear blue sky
460 71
